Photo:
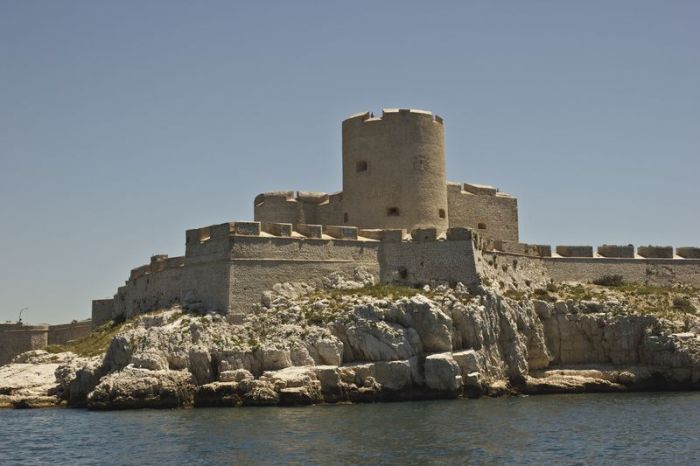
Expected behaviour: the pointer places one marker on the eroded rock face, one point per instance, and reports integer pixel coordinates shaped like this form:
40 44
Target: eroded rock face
307 348
142 388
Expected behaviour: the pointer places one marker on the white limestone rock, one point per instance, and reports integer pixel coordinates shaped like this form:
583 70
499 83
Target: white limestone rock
442 373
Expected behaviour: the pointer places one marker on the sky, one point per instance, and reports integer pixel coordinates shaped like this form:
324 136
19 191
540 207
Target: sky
122 124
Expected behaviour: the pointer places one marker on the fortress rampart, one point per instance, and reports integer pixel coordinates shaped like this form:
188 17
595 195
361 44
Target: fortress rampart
16 338
397 217
394 177
656 265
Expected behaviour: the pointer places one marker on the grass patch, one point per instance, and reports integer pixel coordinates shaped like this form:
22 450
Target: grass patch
683 304
543 295
94 344
609 280
514 294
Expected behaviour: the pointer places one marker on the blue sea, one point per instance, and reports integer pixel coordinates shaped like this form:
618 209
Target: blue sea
614 429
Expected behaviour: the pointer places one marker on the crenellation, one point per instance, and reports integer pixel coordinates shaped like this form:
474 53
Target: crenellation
277 229
655 252
246 228
607 250
424 234
479 189
341 232
459 234
310 231
688 252
575 251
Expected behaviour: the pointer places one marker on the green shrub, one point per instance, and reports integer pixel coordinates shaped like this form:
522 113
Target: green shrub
610 280
684 305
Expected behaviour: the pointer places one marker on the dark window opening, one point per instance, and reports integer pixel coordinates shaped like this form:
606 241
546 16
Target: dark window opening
346 217
392 212
361 166
482 226
403 273
441 213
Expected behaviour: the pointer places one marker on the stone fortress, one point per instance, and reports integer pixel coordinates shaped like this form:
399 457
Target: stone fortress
397 218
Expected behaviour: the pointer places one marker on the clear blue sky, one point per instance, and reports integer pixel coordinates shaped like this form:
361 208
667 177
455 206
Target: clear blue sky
124 123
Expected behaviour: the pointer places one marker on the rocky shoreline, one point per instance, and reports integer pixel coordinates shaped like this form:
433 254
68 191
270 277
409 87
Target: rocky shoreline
352 342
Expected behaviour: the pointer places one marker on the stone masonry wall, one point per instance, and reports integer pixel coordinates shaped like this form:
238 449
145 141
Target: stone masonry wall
259 262
483 209
16 339
654 271
102 310
424 258
63 333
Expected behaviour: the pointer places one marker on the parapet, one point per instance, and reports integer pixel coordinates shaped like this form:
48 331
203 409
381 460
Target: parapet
575 251
310 231
368 117
688 252
289 196
475 189
312 197
277 229
607 250
655 252
342 232
424 234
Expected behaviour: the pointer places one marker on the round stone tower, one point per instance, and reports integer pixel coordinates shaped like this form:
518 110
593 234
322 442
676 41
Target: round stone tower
394 170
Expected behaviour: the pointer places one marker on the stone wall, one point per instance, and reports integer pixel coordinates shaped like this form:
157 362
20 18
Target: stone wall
102 310
63 333
18 338
257 263
654 271
483 209
422 258
226 267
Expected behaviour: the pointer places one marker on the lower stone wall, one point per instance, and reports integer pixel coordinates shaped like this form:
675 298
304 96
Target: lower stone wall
17 338
250 277
418 262
102 310
63 333
654 271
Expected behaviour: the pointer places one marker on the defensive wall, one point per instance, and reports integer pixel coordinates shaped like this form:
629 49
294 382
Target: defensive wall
658 265
482 208
226 267
16 338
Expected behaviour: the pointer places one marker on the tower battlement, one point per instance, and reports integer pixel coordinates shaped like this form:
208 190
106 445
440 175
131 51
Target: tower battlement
389 113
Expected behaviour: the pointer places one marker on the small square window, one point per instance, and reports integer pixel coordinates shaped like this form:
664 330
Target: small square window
392 212
361 166
482 226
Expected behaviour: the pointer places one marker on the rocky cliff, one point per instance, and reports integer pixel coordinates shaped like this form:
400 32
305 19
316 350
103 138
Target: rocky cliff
352 341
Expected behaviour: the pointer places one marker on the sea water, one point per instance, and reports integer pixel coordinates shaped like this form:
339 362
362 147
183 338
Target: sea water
639 428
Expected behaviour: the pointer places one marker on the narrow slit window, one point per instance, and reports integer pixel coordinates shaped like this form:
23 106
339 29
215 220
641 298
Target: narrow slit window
441 213
346 217
392 212
361 166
